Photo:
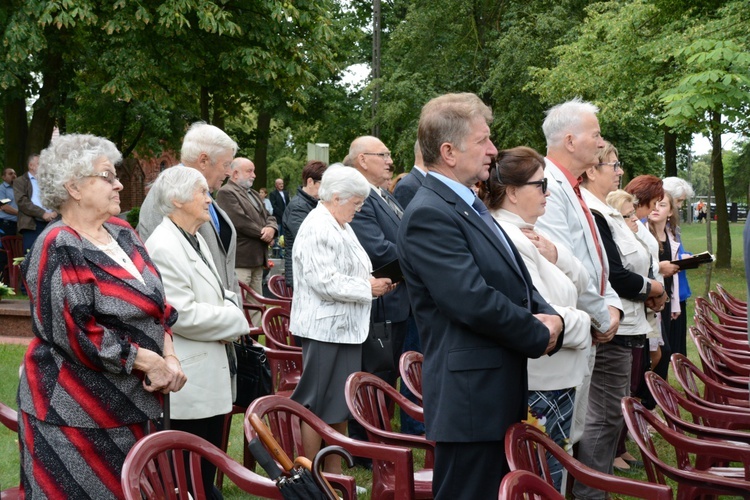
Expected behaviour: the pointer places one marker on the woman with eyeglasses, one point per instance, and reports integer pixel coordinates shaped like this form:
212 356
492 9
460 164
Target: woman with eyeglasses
333 292
102 356
516 194
631 277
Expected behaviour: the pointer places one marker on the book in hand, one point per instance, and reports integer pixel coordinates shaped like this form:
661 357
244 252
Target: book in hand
694 261
4 201
391 270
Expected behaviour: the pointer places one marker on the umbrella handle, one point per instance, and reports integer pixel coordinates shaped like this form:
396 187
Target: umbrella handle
264 433
320 479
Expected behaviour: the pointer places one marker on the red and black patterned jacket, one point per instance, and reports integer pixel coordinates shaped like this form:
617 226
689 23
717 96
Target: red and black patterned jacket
89 317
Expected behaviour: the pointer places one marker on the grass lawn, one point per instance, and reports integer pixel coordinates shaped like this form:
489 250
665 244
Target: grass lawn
694 238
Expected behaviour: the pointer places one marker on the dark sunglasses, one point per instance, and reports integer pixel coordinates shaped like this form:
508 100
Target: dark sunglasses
542 184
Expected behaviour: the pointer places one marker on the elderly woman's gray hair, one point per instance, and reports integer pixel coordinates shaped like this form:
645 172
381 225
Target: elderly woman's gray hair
344 182
680 189
178 183
68 158
204 138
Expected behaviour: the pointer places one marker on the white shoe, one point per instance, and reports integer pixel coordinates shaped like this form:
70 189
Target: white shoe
361 491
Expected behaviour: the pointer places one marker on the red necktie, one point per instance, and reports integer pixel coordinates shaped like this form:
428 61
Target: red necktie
594 233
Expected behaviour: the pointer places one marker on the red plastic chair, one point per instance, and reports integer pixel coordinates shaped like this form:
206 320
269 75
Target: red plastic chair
730 298
713 362
723 318
410 366
265 302
708 423
155 468
368 398
9 418
726 306
13 246
275 323
715 394
724 338
523 484
286 370
392 466
527 448
691 481
277 286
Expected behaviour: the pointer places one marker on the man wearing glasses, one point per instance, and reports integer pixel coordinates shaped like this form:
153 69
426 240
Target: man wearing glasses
376 226
573 143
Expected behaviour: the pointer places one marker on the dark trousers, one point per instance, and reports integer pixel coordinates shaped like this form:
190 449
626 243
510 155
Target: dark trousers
8 228
209 429
30 236
468 470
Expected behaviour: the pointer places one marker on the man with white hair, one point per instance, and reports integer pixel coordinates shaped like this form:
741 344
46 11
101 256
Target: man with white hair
255 227
209 150
573 143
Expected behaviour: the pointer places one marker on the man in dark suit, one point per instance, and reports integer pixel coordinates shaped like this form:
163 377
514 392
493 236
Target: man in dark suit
376 226
279 200
478 314
408 186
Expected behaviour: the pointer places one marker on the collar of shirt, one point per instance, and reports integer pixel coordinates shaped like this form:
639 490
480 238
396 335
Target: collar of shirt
462 191
572 180
421 170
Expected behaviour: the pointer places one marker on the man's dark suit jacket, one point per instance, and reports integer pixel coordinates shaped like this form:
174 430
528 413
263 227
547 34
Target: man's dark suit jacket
376 227
474 320
408 186
278 204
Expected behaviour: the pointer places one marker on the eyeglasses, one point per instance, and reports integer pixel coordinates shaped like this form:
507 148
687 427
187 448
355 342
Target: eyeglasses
384 156
542 184
106 175
614 164
629 215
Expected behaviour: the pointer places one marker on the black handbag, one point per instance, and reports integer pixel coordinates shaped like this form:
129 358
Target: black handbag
253 372
377 350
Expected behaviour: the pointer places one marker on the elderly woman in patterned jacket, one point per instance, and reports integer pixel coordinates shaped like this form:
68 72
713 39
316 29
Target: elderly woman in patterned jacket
102 355
333 292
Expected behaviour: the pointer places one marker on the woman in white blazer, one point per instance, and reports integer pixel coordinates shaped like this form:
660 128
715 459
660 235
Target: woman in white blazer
333 292
209 315
516 198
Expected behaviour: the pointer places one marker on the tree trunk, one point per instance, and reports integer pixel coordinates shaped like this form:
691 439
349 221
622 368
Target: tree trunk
43 120
16 130
723 238
205 115
670 154
262 133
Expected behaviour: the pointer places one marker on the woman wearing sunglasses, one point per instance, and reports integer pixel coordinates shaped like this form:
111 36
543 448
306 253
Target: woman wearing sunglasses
631 277
516 194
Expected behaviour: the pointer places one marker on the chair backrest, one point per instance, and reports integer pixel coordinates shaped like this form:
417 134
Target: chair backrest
392 465
725 306
730 298
691 481
157 467
723 318
721 335
712 362
286 370
250 295
275 323
731 363
522 484
9 417
277 286
670 400
527 448
13 246
410 366
715 394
